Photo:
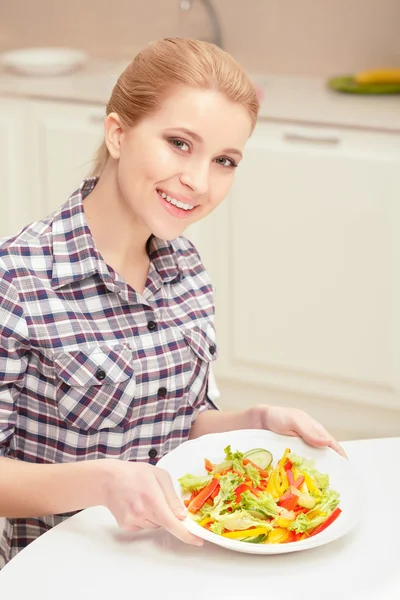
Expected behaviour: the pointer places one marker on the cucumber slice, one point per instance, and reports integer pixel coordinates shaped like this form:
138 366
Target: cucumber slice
260 457
255 540
258 513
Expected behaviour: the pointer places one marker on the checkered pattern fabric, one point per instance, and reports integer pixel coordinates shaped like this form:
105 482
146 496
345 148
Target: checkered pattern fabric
89 368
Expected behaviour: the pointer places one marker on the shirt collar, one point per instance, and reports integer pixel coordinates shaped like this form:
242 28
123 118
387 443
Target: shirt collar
75 256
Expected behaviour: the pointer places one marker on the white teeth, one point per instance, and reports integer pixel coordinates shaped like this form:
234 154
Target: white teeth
175 202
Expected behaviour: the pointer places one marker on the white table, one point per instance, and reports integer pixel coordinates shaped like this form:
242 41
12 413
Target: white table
88 557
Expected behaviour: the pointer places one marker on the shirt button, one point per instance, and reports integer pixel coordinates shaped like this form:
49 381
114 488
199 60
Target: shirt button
100 374
151 326
152 453
212 349
162 392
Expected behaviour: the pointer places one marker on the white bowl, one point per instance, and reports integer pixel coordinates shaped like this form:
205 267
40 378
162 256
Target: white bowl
43 62
189 458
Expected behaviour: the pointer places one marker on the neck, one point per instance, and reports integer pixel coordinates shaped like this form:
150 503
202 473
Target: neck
119 237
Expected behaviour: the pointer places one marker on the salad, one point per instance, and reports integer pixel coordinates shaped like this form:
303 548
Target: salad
247 498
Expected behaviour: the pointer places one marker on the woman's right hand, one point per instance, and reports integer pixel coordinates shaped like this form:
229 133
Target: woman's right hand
141 496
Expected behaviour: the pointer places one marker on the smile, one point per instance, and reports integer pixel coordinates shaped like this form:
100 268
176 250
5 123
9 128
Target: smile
171 200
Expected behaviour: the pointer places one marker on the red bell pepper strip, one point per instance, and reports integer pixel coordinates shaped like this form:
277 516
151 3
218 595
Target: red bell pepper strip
243 487
289 503
215 492
290 477
203 496
285 496
288 465
262 472
293 537
332 517
299 481
208 465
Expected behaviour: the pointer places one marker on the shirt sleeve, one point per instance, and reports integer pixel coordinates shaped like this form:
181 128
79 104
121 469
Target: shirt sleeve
212 393
14 350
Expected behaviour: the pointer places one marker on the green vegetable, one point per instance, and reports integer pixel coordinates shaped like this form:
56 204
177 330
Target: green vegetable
264 503
226 495
308 466
217 528
260 457
303 523
241 520
236 458
256 540
253 474
193 483
329 501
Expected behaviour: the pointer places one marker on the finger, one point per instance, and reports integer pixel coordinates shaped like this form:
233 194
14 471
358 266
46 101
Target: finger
175 504
338 448
165 516
315 434
146 524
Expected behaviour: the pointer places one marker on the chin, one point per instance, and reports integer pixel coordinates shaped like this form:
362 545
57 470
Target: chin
168 233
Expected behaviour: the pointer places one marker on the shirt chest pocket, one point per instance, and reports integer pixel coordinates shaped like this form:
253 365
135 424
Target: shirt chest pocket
203 350
95 386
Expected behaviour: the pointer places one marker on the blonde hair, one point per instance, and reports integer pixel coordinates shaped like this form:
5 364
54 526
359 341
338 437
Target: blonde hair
144 84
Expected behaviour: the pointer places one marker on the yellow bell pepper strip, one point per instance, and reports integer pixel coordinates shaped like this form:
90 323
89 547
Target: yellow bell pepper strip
284 457
283 522
278 535
206 521
278 482
202 496
332 517
311 514
235 535
272 485
310 484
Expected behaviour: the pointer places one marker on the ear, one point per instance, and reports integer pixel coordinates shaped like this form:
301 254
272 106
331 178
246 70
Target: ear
113 132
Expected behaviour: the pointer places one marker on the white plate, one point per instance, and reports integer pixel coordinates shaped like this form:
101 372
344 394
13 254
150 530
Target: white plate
43 61
189 458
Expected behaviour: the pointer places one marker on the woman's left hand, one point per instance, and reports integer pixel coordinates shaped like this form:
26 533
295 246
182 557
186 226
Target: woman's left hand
296 422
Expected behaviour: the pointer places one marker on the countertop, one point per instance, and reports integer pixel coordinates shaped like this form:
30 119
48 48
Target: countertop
285 98
87 556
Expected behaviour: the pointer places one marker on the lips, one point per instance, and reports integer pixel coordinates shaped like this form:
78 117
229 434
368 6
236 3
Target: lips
179 197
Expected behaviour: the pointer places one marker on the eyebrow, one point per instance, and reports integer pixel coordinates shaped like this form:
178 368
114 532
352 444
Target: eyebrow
199 139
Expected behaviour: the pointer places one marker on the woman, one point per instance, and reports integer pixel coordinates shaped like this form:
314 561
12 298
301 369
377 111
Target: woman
106 312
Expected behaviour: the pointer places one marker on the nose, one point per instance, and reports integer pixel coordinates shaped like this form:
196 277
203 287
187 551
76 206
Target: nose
196 176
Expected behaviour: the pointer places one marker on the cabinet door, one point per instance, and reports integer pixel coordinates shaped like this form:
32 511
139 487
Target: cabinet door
313 284
68 136
17 199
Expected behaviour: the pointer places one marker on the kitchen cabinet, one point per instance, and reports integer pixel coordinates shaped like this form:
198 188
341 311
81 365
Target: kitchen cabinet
16 208
46 150
305 255
67 137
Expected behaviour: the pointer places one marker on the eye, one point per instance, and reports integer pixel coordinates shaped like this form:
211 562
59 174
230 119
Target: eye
226 162
180 144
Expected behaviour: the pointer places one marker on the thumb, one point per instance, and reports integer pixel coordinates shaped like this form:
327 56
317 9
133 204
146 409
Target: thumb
175 504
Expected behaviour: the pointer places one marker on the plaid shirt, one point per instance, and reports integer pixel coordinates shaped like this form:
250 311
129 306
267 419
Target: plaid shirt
89 368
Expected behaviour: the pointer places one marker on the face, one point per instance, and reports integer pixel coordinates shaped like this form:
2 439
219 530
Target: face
177 165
